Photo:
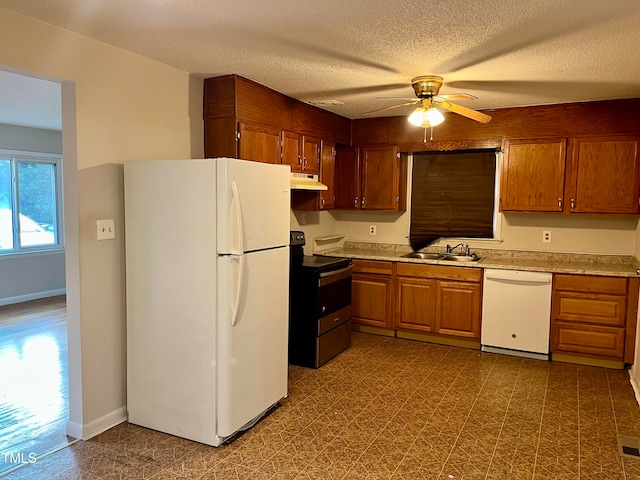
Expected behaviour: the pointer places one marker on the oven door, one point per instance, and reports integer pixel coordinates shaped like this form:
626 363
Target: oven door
334 291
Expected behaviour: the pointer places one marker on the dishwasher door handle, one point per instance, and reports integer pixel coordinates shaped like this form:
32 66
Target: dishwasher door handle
522 278
515 281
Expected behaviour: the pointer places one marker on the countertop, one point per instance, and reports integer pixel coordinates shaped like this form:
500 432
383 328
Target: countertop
609 265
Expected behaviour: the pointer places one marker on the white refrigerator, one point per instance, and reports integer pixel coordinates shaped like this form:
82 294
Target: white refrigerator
207 281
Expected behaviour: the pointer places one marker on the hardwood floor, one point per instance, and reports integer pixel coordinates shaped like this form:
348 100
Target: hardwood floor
34 406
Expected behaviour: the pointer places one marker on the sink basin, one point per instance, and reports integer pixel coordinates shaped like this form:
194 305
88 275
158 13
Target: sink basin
460 258
424 255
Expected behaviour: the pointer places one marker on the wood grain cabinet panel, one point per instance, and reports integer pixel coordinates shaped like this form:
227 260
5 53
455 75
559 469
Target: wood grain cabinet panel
259 143
372 293
605 175
416 304
588 308
591 340
310 154
291 150
533 175
431 299
371 300
599 175
370 178
593 315
327 174
458 307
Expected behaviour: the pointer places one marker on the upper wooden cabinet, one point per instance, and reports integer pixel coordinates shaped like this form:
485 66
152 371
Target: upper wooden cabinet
533 175
598 175
310 154
604 175
370 178
327 175
259 143
231 100
324 199
291 150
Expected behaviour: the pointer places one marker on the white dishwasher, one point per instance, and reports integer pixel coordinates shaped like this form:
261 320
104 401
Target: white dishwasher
516 312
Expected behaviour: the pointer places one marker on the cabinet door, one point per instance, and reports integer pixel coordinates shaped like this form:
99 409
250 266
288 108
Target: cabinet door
259 143
533 175
291 153
604 175
347 178
416 304
371 300
380 178
327 174
458 309
587 339
310 154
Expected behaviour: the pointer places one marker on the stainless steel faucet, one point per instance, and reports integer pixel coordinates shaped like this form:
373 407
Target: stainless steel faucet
451 249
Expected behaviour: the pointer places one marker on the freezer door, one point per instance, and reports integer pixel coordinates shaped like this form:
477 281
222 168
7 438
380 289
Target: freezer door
253 205
252 335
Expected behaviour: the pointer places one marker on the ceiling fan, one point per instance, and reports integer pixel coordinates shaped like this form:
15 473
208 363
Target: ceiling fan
427 90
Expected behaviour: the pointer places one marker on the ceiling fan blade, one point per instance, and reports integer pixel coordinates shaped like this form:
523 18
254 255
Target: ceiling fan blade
465 112
455 96
392 106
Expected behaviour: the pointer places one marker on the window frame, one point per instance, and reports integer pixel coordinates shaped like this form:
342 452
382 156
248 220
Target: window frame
497 214
15 157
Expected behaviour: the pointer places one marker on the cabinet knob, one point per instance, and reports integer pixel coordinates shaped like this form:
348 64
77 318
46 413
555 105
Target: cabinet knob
321 201
299 160
560 203
355 202
363 201
324 309
573 203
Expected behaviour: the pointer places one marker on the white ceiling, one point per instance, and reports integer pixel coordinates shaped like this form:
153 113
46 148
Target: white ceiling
506 52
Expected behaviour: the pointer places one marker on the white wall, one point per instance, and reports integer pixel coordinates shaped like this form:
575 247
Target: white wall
116 106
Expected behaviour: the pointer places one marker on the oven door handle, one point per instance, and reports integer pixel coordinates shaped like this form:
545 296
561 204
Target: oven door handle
336 272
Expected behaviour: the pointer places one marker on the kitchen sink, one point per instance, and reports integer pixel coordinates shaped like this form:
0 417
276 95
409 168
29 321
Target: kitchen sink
460 258
424 255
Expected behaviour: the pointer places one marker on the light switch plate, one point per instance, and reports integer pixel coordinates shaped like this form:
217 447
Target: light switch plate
105 229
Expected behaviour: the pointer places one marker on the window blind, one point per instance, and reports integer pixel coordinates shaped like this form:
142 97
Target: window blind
452 195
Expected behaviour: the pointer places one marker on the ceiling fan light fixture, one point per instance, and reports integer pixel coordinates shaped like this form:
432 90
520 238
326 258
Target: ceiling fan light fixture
426 117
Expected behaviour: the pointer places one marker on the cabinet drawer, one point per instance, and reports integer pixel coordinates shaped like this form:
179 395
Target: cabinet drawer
590 283
334 319
372 266
438 272
587 339
589 308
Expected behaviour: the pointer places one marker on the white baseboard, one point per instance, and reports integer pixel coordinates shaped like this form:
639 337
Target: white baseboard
636 388
96 427
32 296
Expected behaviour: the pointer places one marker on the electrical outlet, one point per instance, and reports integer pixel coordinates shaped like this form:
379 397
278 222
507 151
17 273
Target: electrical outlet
105 229
546 236
372 229
303 218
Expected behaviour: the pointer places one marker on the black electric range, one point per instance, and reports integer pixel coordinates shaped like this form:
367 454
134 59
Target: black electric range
320 305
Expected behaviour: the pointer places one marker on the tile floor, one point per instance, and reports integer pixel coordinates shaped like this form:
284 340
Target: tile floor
396 409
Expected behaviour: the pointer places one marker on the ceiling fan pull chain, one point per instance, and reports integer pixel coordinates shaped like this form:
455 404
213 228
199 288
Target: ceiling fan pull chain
431 137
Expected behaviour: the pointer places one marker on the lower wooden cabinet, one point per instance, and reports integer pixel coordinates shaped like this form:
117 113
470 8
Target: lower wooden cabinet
594 315
371 293
437 299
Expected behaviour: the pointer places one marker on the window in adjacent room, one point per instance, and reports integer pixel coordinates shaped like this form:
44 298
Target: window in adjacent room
30 205
453 195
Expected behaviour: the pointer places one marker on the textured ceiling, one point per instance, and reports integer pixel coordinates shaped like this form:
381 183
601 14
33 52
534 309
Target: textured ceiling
506 52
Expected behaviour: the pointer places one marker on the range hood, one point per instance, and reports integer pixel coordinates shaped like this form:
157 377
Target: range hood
306 181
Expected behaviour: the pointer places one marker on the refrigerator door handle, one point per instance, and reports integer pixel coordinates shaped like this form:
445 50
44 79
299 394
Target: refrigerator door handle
236 306
238 209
